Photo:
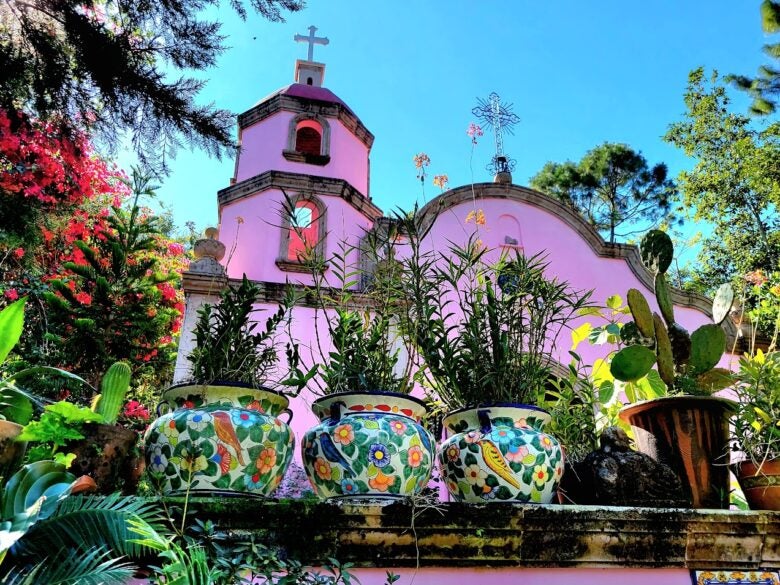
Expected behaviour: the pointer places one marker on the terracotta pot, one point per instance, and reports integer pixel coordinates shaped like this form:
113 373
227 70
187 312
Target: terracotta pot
108 454
368 444
760 484
690 434
220 438
499 452
11 450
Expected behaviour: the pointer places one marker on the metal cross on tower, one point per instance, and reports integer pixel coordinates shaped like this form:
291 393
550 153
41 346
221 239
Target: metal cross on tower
493 113
312 40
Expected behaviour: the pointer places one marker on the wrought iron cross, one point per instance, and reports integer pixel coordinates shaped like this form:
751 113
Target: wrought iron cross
501 118
312 40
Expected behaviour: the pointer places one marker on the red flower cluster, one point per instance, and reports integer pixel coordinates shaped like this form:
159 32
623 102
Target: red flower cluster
134 409
48 161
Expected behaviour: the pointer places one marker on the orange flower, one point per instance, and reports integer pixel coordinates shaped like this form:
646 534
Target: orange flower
414 456
266 461
441 181
344 434
381 482
322 468
477 216
421 160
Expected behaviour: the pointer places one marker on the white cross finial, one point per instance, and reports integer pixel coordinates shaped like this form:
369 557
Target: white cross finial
312 40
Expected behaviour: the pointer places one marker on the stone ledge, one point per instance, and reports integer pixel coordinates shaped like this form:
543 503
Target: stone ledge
502 535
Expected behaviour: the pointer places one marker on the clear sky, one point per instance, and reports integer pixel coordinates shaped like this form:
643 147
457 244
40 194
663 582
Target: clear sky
578 73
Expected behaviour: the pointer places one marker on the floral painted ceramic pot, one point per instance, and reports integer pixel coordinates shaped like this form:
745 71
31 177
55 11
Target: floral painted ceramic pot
499 452
218 438
368 444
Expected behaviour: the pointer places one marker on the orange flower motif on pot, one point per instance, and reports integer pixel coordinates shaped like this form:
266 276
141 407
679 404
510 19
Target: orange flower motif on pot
414 457
322 468
381 482
266 461
344 434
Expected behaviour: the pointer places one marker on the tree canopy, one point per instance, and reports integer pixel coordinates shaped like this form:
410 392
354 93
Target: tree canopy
112 66
765 87
735 183
614 188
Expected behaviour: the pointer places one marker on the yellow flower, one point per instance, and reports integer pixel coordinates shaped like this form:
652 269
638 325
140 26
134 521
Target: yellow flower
477 216
441 181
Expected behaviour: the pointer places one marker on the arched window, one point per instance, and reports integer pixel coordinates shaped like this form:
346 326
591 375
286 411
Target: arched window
303 232
509 232
308 140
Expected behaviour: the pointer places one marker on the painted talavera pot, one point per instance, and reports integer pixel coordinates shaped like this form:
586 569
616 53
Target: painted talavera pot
368 445
690 434
500 452
220 438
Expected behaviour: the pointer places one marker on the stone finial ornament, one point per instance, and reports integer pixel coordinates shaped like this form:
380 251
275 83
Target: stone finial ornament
208 252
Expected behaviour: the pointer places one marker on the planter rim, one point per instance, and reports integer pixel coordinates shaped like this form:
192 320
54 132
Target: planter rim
496 405
682 401
753 469
409 397
224 384
11 424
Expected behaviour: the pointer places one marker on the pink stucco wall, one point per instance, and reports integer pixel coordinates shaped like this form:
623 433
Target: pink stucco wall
262 145
251 230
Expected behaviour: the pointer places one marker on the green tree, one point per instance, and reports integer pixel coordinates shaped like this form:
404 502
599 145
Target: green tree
115 66
734 185
613 188
765 87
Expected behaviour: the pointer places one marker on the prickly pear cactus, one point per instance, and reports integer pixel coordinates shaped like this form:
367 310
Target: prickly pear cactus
686 362
657 251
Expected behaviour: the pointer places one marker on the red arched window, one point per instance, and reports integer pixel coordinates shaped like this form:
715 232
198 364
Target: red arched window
308 137
304 230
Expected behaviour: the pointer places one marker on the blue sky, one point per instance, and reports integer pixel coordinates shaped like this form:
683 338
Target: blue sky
578 74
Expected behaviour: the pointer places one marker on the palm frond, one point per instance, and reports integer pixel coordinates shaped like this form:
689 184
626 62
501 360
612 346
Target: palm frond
94 567
85 523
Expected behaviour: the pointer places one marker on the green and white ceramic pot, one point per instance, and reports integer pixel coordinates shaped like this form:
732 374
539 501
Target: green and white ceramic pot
499 452
220 438
368 445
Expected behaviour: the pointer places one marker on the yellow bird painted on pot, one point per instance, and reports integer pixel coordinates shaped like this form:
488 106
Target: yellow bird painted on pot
226 433
496 462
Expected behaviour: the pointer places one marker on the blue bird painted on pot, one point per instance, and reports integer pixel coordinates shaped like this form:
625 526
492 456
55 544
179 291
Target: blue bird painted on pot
332 453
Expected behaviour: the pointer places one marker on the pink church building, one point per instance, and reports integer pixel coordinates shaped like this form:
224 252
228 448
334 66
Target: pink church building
302 145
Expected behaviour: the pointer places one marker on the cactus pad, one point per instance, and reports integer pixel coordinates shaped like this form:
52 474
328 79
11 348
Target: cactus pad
681 345
631 363
721 304
664 297
708 343
663 351
656 251
640 310
714 380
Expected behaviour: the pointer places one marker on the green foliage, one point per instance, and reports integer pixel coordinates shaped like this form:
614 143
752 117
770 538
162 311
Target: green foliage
227 348
685 362
482 329
60 423
360 301
765 87
106 65
11 326
733 185
757 423
612 187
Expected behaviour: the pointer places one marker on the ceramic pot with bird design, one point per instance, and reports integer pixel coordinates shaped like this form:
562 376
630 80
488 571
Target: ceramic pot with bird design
220 437
368 444
499 452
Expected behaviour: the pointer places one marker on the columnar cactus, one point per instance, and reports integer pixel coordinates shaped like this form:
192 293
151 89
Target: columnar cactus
686 362
113 388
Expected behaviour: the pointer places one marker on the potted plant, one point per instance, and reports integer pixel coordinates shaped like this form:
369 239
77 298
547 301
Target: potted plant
222 431
485 333
757 422
683 426
370 440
